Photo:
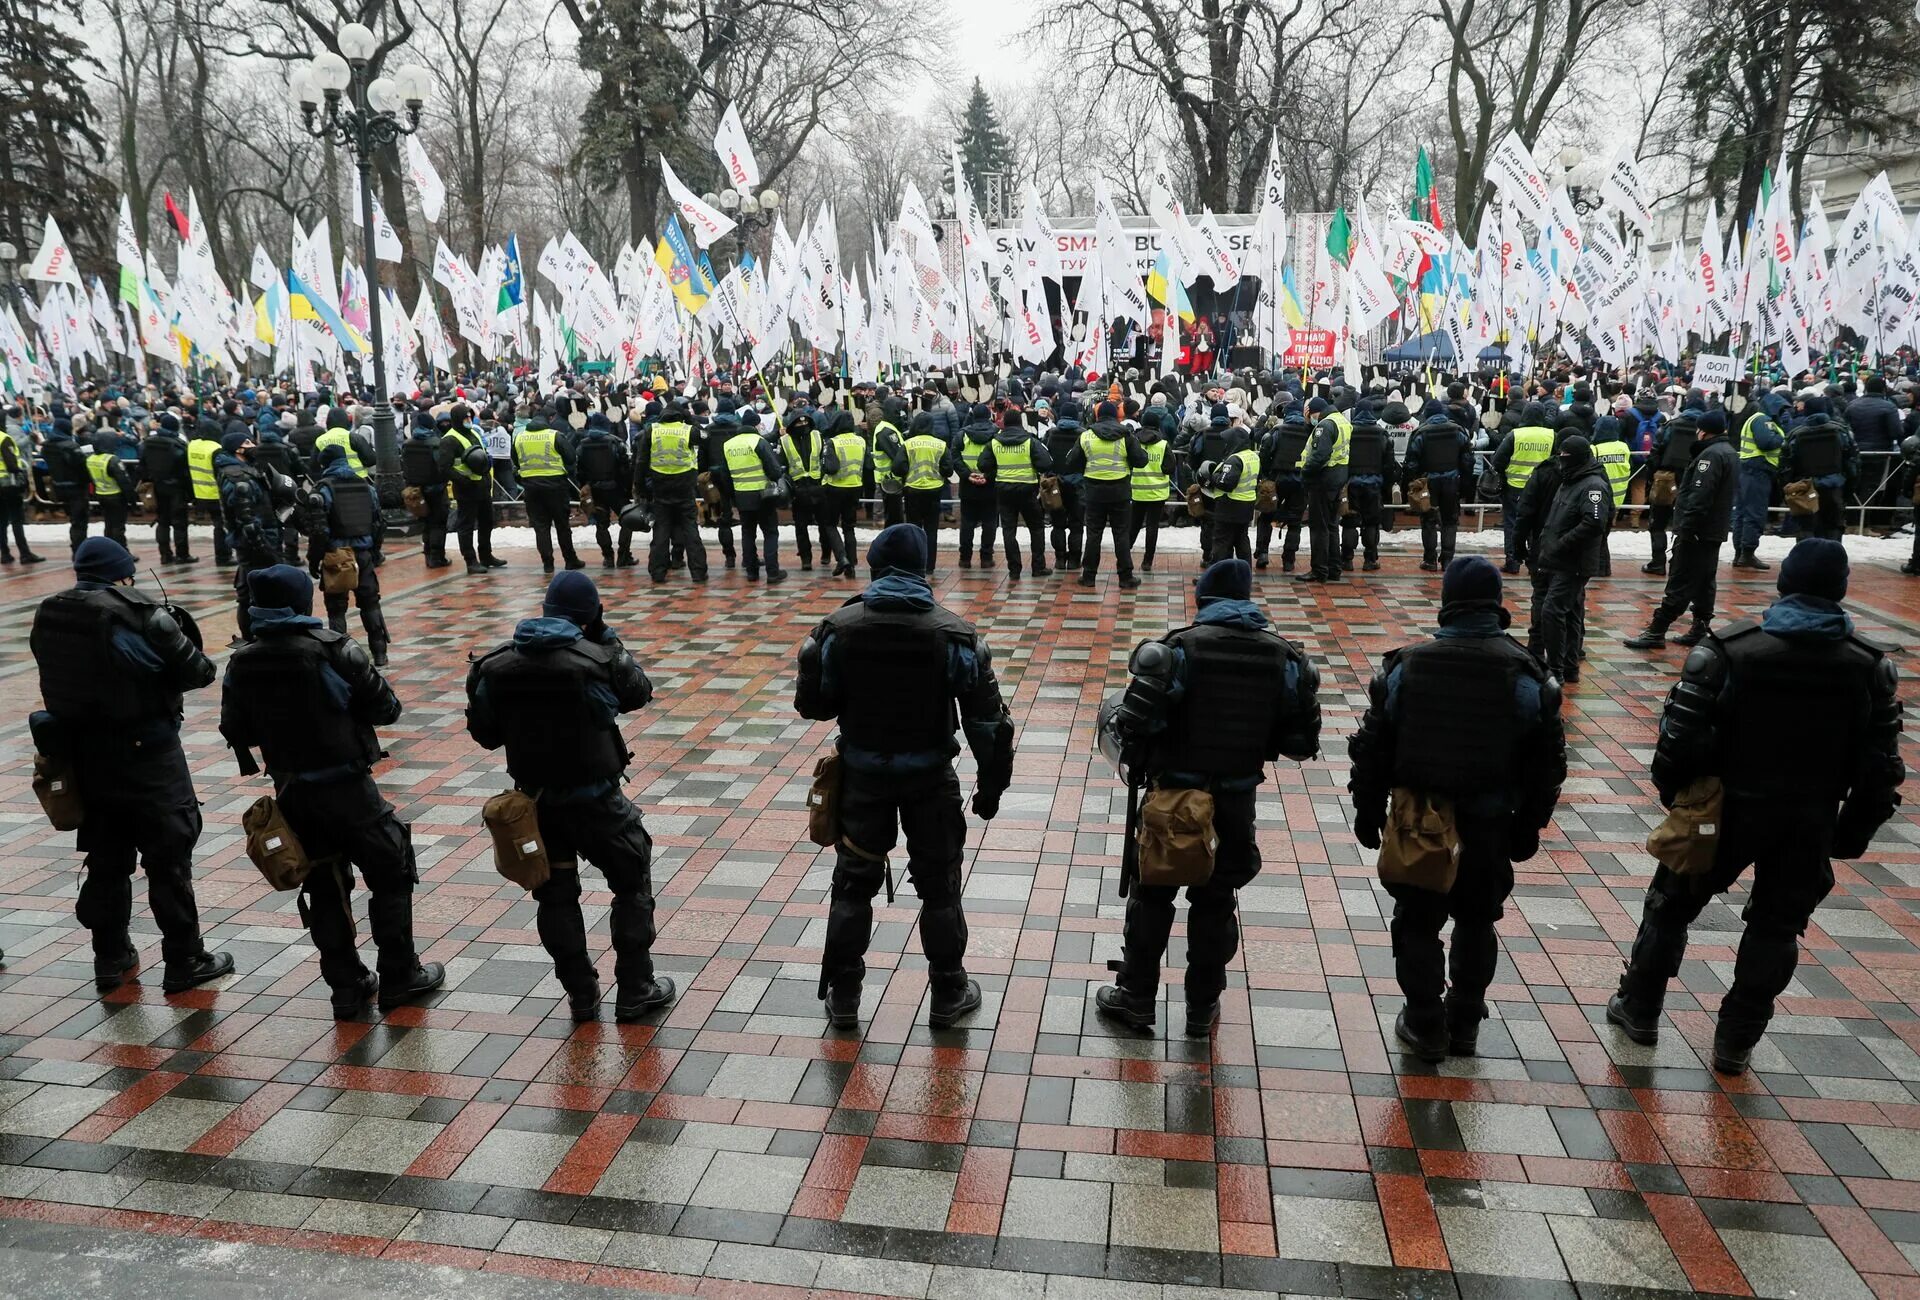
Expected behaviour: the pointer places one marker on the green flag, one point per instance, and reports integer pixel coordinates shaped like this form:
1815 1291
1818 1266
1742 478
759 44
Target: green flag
1425 206
1340 236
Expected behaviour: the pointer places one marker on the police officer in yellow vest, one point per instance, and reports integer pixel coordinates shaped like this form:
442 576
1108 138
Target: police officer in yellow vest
201 449
463 457
1013 464
543 458
884 441
1759 446
977 506
1152 485
800 446
1105 457
843 473
1236 484
112 484
1518 455
1323 472
666 472
749 471
925 464
1614 455
341 433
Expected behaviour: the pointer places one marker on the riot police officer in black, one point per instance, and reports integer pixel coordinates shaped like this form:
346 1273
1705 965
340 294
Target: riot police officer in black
1441 452
1702 518
1208 707
553 696
343 513
250 503
1280 454
1469 717
308 698
163 463
1369 475
113 666
1797 682
420 466
899 673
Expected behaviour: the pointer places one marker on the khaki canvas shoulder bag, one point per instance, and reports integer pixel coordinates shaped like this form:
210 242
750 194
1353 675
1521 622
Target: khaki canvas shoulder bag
1803 498
339 571
519 853
823 802
272 846
1419 495
1177 840
1688 841
1665 487
1420 846
59 795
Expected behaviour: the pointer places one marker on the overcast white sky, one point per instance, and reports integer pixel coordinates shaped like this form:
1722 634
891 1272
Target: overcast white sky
986 36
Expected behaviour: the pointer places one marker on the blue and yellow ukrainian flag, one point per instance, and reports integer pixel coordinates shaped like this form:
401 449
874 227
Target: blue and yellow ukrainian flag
675 257
1158 288
304 304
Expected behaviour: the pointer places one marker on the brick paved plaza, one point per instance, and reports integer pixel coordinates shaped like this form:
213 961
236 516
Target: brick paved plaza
736 1147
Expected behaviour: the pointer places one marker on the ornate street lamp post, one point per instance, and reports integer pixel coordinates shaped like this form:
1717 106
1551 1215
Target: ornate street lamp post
340 104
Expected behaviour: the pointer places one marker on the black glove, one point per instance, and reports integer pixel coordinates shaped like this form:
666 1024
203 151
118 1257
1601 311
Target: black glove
1850 843
1367 831
1522 843
986 806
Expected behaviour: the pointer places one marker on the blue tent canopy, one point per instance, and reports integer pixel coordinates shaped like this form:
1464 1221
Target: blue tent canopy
1434 345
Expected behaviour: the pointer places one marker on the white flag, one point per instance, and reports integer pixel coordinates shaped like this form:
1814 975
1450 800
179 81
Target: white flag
1515 174
263 275
433 195
54 262
1171 216
736 155
708 225
1627 192
386 240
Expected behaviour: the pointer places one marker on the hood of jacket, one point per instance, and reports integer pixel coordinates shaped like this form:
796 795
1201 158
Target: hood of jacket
279 619
1810 618
1230 613
545 633
980 431
898 591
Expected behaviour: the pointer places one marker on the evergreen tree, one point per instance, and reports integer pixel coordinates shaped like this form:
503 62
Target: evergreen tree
50 143
983 145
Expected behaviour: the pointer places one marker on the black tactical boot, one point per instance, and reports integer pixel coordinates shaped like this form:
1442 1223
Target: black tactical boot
1463 1025
1639 1019
584 1003
1658 568
1653 638
426 977
636 1002
352 1000
1202 1017
112 972
1730 1057
181 976
1693 635
1423 1033
843 1007
949 1004
1133 1009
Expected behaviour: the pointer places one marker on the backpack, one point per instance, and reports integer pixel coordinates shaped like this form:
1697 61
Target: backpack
1645 427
